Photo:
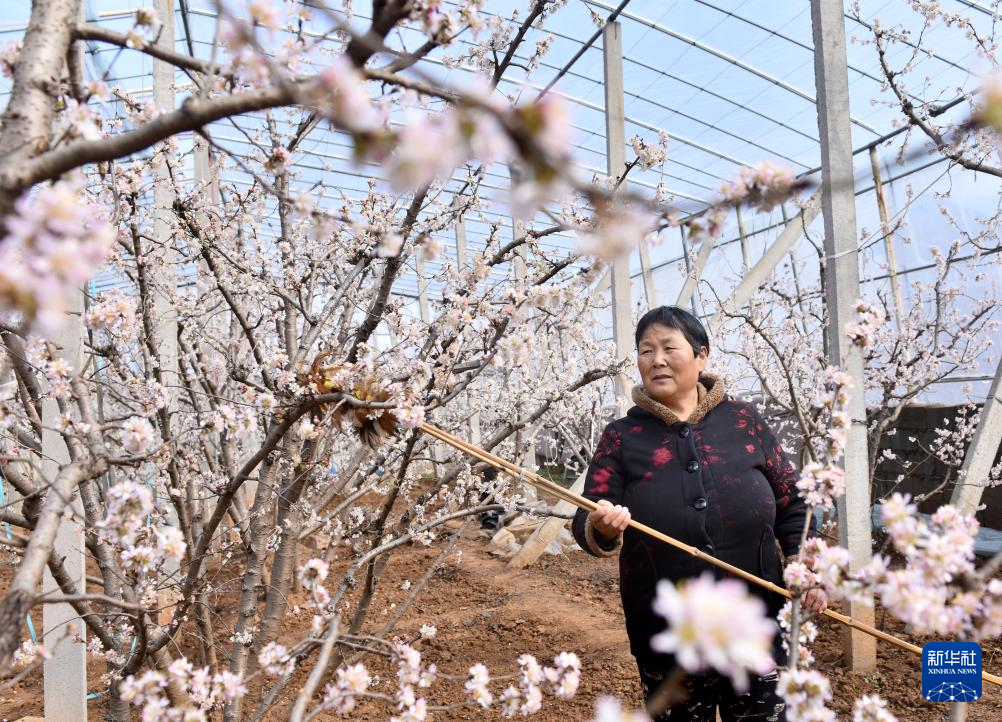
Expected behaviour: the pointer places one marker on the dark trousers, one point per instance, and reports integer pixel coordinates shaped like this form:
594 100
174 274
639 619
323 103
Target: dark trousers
708 693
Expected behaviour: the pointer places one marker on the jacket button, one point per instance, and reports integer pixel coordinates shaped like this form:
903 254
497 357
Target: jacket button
692 467
708 548
699 504
684 431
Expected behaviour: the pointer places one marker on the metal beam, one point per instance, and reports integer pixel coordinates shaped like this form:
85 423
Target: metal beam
525 444
685 296
982 451
760 272
64 671
737 62
842 290
436 449
790 39
615 137
885 226
645 271
522 84
584 47
474 418
64 685
422 285
163 278
742 239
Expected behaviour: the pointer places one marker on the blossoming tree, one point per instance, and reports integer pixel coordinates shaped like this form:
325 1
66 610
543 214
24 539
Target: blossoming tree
289 351
277 450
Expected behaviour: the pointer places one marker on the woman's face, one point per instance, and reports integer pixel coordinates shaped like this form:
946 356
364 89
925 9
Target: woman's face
667 365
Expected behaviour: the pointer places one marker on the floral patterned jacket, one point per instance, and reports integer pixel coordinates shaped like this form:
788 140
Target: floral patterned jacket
718 481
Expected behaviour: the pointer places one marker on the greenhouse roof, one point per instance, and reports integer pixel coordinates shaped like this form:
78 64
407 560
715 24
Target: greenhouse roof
730 81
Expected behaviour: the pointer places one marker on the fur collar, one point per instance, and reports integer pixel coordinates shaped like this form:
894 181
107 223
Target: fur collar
710 389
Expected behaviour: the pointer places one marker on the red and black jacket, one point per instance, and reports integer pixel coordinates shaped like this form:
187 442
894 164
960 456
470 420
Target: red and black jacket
719 481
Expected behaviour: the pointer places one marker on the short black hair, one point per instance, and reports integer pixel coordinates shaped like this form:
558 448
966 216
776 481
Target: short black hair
677 318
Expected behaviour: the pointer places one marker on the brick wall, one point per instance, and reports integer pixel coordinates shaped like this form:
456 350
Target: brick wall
920 422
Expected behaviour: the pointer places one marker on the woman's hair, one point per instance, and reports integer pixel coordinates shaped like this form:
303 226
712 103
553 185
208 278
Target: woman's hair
677 318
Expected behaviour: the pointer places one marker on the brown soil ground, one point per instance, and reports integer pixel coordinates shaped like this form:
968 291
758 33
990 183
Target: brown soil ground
487 612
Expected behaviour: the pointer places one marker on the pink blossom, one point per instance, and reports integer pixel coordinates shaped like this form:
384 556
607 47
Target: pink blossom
170 543
313 572
650 154
428 631
274 659
8 57
355 678
28 653
410 417
417 711
349 103
428 147
510 700
264 13
55 242
278 160
806 693
390 244
128 506
832 565
532 700
821 484
408 664
808 633
532 672
608 709
715 624
114 312
476 686
146 17
619 229
797 576
871 708
352 680
764 186
547 120
869 319
138 435
565 676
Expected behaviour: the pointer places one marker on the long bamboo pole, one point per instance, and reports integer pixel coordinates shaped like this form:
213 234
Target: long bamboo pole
561 493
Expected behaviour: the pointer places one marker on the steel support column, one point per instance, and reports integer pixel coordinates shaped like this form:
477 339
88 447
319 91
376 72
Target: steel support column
64 675
760 272
162 258
528 435
64 671
615 126
687 296
982 451
885 227
461 255
842 289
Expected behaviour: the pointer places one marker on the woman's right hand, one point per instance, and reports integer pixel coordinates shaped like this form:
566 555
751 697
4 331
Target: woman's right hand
609 520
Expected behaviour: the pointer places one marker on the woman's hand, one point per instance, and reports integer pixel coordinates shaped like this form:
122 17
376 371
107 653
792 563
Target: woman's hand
815 600
609 520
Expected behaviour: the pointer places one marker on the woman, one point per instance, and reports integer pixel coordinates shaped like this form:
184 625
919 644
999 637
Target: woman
707 470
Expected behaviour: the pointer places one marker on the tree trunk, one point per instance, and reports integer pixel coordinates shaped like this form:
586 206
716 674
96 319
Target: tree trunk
26 125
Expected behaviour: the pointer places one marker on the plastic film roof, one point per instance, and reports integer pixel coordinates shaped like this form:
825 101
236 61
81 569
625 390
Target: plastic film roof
730 81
